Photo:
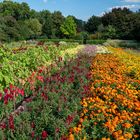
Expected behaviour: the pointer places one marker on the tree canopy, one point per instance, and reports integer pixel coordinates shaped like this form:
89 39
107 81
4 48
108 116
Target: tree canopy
68 28
18 22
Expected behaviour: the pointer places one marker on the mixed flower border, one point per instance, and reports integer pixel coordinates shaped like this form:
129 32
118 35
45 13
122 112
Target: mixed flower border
92 95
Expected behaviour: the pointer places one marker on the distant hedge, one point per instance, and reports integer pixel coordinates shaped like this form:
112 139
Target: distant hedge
72 40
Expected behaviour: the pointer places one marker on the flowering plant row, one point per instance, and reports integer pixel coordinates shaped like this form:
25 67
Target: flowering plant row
51 101
112 110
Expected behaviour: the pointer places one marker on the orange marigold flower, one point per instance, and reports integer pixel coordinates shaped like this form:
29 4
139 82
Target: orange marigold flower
71 137
128 135
127 125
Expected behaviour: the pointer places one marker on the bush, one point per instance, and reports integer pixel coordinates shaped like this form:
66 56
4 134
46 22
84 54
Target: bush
96 41
123 43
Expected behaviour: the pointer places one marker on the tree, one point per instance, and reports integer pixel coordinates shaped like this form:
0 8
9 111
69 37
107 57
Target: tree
45 19
92 24
10 28
109 32
79 23
3 35
24 31
101 28
121 19
68 28
14 9
136 29
57 19
35 26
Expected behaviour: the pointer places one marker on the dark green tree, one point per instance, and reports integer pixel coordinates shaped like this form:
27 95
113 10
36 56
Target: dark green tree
121 20
45 18
57 19
92 24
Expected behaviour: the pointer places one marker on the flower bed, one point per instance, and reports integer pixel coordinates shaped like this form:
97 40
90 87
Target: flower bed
51 101
112 111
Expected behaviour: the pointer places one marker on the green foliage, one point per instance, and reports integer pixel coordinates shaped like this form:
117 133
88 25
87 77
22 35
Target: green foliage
56 105
92 24
14 9
35 26
136 29
123 43
20 22
123 20
57 19
109 32
68 28
96 41
18 65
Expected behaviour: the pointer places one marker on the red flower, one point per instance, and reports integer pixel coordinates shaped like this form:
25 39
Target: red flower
40 71
44 135
3 126
6 91
69 119
0 96
45 97
11 122
64 138
7 97
40 78
57 130
21 92
33 134
33 125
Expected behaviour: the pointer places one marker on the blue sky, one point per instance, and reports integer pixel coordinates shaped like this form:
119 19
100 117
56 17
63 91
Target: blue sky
82 9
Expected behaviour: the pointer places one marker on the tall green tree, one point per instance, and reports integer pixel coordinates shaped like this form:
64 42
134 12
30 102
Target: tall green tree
68 28
45 18
79 23
92 24
57 19
109 32
136 29
3 35
35 27
121 19
10 29
14 9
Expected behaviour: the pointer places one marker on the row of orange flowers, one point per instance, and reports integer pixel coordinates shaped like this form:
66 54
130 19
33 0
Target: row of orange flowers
112 111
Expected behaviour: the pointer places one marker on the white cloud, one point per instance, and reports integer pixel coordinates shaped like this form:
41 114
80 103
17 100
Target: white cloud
126 6
131 0
101 14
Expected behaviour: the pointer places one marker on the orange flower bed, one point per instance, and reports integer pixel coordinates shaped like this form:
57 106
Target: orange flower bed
112 111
